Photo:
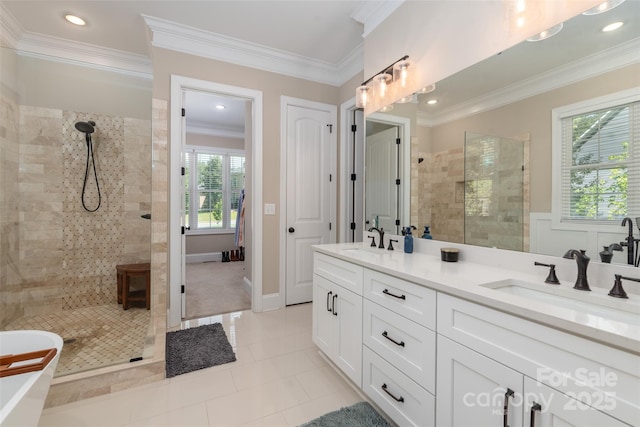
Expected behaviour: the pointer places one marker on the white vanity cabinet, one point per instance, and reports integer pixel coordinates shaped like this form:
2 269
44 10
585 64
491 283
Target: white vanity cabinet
484 353
337 313
399 353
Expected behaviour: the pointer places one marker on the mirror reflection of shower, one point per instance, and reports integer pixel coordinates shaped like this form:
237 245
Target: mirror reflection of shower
88 128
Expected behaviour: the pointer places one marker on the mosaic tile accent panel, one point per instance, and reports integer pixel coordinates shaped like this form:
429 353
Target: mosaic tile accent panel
94 336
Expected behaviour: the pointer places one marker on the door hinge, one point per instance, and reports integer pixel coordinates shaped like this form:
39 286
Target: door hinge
183 171
330 177
353 225
398 181
182 230
354 128
184 112
329 226
330 128
397 222
182 289
353 177
398 141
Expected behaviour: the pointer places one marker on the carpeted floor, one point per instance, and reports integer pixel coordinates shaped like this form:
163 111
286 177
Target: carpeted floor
197 348
215 288
362 414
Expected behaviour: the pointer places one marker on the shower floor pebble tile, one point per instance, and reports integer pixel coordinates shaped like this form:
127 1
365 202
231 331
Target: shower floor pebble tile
104 335
251 392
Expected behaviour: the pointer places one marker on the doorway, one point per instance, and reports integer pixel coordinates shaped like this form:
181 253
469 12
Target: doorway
178 221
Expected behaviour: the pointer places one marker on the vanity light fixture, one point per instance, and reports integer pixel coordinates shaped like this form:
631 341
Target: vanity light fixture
603 7
549 32
612 27
427 89
220 107
75 20
375 90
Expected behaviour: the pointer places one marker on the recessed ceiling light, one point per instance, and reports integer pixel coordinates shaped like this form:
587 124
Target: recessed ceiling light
220 107
612 27
432 101
603 7
549 32
75 20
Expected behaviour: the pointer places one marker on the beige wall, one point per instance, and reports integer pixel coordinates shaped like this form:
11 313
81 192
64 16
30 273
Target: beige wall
273 86
533 116
215 141
444 37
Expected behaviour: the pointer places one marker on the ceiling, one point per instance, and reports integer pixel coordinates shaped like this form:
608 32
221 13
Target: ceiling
319 32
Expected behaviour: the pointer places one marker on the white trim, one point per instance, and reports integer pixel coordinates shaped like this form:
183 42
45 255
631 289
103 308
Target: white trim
405 195
182 38
609 60
286 101
203 257
601 102
372 14
246 285
272 302
346 109
10 28
178 84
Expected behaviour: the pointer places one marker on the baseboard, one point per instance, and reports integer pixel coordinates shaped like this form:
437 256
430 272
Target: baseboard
271 302
246 284
204 257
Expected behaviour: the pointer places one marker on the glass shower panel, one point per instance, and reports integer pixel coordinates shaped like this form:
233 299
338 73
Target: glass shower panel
493 192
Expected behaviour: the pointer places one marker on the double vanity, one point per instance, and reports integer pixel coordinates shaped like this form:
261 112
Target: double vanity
479 342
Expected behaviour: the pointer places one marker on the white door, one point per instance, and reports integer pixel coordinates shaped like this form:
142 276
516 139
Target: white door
185 226
472 389
347 308
308 202
381 172
324 322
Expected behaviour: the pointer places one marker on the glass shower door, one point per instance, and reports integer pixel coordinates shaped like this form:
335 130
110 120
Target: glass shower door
493 195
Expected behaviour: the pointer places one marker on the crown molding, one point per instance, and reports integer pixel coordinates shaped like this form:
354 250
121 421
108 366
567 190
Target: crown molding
10 29
84 54
182 38
372 13
591 66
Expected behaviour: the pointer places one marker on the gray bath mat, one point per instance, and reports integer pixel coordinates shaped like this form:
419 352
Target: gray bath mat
361 414
197 348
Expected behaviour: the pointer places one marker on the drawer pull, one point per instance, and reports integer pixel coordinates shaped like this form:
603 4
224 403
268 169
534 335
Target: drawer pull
507 395
401 343
333 305
328 296
397 399
535 408
386 291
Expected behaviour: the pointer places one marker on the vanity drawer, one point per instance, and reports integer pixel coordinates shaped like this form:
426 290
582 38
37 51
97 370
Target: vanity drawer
408 299
343 273
404 401
406 345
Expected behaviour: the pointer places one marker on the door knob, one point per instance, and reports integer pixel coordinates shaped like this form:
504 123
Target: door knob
291 229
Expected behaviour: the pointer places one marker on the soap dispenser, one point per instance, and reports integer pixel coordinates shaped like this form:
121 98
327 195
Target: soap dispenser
408 241
427 233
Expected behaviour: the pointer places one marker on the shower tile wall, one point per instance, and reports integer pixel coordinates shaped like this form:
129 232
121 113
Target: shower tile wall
67 256
10 307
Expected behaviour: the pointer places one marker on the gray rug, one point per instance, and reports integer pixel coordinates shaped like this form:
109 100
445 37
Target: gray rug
197 348
361 414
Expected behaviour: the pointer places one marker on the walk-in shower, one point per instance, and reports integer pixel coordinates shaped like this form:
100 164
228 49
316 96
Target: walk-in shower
88 128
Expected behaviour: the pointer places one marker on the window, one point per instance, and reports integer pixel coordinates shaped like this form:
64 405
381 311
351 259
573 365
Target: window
599 177
213 182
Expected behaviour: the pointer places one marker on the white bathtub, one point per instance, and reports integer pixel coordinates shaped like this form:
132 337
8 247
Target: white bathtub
23 395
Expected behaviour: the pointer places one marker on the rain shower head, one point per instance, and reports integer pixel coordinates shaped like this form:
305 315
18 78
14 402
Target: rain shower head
86 127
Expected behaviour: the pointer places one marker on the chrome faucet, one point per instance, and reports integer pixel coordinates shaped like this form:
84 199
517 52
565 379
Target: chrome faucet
583 262
381 233
629 240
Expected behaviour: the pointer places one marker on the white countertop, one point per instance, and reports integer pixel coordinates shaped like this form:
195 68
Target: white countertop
464 279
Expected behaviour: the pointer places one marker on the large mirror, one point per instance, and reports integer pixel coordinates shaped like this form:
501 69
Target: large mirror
481 157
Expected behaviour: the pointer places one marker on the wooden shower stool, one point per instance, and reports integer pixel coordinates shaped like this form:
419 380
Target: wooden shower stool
125 294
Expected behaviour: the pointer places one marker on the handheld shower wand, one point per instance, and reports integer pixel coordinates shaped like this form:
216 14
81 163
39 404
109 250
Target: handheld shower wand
88 128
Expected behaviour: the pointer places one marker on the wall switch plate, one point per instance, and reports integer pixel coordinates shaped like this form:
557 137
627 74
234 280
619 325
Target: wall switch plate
269 209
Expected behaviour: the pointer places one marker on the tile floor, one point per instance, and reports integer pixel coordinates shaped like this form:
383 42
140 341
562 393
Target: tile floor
95 337
278 380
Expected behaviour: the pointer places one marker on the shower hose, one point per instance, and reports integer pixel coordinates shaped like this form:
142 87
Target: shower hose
86 177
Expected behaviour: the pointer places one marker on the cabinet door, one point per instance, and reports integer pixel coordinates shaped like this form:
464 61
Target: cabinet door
546 407
324 322
472 389
347 310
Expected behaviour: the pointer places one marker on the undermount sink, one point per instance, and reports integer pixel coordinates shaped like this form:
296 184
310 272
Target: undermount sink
595 303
